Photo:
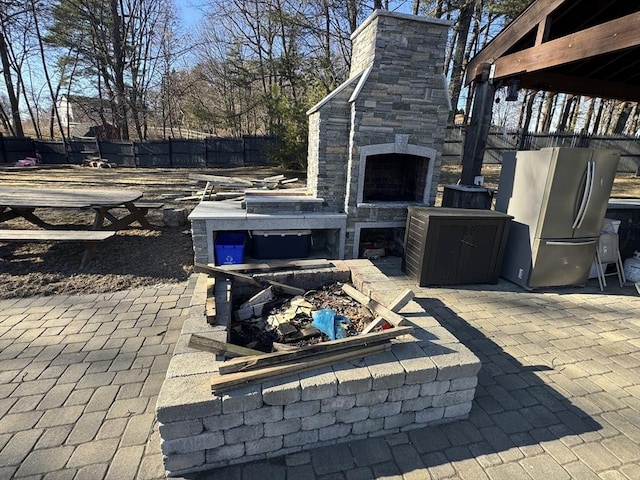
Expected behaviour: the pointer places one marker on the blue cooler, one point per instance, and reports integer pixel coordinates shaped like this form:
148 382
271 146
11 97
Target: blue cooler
281 244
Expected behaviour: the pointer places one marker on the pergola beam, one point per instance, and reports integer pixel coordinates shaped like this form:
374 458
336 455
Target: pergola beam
605 38
536 13
557 82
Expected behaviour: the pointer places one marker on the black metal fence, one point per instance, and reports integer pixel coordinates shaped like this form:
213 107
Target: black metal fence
253 151
209 152
499 141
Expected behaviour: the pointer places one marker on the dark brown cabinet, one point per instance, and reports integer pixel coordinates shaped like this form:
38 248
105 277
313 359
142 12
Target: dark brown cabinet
452 246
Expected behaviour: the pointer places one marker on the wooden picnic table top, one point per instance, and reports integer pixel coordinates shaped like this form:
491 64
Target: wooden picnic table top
33 197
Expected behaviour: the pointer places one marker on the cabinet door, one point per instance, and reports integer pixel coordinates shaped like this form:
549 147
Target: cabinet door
443 249
478 253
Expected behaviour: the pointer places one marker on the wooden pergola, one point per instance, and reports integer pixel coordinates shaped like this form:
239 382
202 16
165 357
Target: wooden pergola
581 47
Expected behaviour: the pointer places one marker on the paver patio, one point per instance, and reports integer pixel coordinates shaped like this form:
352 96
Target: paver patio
558 394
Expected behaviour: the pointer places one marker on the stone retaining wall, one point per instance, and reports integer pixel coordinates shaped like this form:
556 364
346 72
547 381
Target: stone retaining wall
426 378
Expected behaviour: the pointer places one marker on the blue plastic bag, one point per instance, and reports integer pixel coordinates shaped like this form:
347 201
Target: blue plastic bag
330 323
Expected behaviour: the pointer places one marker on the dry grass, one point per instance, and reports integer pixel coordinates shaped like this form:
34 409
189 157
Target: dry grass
625 185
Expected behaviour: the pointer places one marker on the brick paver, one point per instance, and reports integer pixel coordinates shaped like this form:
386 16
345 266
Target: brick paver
558 394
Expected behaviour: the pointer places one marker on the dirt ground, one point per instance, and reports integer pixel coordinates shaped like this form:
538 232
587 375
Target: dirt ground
136 257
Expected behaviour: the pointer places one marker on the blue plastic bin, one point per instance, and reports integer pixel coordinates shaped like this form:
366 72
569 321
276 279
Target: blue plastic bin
229 248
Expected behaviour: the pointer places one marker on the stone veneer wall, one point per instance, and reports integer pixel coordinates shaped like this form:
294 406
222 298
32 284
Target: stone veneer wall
199 237
328 147
427 378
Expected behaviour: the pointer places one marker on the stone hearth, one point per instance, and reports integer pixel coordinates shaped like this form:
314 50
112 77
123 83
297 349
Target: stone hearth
426 378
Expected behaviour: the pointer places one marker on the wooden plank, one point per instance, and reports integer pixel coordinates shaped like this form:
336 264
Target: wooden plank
268 359
380 310
279 265
32 197
247 279
222 383
200 342
263 296
289 192
210 310
289 180
189 198
395 306
221 180
55 235
219 272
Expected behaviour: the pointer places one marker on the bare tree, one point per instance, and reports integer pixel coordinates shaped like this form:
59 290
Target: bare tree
118 45
11 12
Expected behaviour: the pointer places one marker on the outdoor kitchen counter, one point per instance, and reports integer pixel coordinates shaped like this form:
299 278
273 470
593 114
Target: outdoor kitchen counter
208 218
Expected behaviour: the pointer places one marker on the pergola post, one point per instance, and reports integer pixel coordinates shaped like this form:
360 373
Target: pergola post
475 140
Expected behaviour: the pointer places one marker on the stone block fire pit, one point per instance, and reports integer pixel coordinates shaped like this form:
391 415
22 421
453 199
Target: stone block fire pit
426 378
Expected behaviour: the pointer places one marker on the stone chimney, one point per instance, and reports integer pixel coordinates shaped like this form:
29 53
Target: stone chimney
375 142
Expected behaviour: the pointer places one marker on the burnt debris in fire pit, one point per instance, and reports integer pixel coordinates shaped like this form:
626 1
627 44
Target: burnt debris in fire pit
268 322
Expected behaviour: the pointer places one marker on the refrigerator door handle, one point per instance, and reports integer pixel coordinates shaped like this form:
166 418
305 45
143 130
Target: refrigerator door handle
588 242
585 195
591 184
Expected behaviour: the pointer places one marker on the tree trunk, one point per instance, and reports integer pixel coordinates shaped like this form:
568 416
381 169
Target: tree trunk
544 120
567 102
120 103
636 118
554 106
457 70
587 120
598 120
611 105
527 119
573 116
352 13
54 95
625 112
14 103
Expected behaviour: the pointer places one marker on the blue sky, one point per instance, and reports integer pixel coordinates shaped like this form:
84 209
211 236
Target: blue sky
189 12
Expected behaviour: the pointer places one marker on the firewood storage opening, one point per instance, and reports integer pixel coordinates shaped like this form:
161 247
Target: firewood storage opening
379 242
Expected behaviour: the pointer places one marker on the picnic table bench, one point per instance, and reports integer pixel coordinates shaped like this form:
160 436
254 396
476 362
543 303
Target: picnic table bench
89 237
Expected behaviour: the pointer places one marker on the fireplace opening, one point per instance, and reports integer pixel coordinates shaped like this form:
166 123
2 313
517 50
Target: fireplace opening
394 177
378 242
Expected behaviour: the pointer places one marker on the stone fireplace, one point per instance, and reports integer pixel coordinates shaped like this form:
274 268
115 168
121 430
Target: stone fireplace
375 142
374 145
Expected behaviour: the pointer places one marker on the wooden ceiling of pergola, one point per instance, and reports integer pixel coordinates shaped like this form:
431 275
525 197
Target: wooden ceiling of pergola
584 47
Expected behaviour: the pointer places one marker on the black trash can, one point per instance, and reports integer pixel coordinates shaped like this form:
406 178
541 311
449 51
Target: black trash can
467 196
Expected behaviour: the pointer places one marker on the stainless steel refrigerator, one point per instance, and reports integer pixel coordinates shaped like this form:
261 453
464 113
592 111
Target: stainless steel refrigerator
558 199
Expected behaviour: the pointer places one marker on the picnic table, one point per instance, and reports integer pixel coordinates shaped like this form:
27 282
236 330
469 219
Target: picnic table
22 202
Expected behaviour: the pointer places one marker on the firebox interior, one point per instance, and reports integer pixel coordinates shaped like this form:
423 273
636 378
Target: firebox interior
394 177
